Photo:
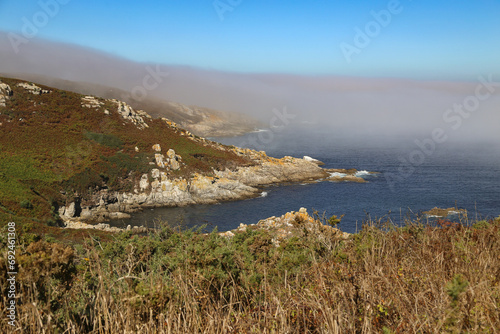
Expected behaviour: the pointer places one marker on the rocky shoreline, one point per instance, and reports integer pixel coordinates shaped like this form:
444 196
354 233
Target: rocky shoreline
241 183
156 189
163 186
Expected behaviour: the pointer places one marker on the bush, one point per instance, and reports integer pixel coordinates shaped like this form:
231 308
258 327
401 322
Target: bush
25 204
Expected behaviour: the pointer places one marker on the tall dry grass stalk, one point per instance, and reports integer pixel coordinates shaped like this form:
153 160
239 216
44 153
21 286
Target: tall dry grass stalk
412 279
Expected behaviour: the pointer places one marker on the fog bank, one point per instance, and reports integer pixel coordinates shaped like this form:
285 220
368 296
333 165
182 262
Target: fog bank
391 107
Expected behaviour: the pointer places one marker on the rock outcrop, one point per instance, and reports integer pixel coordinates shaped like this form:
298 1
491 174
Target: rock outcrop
443 213
105 227
291 224
91 102
268 170
128 113
33 89
348 175
5 93
157 189
171 162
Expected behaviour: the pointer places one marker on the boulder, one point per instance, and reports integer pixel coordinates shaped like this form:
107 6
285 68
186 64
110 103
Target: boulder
174 165
70 210
171 154
159 160
144 182
5 93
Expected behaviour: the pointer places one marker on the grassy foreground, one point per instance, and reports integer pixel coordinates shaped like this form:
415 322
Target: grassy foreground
385 279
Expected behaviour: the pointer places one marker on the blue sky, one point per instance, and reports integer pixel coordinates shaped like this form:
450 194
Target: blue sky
447 40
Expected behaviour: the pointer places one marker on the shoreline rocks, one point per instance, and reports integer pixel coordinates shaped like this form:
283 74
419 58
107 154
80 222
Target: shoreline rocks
291 224
104 227
348 175
157 189
443 213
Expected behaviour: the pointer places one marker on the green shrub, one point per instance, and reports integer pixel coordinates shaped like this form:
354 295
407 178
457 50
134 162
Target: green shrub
481 224
26 204
105 139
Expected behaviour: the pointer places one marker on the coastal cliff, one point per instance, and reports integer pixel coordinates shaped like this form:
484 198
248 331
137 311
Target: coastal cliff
157 189
67 157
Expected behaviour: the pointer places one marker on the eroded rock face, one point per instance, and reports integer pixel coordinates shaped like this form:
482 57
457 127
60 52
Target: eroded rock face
271 170
5 93
128 113
157 189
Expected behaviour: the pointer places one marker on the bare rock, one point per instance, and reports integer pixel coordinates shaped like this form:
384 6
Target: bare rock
128 113
144 182
292 224
33 89
70 210
159 160
5 93
91 102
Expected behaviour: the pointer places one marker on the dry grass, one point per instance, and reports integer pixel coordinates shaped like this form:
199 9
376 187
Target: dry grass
414 279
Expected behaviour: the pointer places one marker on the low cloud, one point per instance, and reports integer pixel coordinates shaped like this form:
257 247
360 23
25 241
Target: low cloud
389 107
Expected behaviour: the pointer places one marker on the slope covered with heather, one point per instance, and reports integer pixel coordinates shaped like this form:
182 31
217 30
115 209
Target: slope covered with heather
55 143
66 157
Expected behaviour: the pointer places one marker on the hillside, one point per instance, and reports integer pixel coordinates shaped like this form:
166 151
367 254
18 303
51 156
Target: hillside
201 121
66 156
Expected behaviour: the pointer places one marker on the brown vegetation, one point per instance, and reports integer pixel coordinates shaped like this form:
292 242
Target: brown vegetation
385 279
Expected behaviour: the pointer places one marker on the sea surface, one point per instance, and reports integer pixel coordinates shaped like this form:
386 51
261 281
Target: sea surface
412 179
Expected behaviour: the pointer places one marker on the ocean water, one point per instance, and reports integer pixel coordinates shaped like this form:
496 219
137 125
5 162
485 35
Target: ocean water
411 180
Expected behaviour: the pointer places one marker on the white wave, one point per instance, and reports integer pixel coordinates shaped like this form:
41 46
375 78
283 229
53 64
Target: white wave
362 173
263 194
337 174
260 130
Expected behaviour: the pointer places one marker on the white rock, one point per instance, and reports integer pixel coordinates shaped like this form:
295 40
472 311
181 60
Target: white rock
171 154
33 89
155 173
144 182
5 93
61 211
70 210
159 160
